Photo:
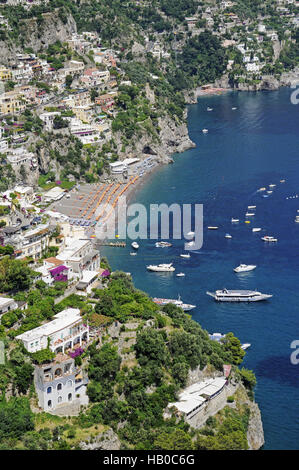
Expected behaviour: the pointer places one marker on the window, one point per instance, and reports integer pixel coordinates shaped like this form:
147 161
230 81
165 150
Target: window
49 390
69 383
59 399
59 386
49 404
69 397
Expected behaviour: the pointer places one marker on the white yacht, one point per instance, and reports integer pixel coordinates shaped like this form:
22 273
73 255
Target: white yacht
177 302
226 295
227 235
161 267
133 253
245 346
249 214
205 131
234 220
267 238
251 207
180 275
211 227
262 189
162 244
256 229
185 255
242 268
234 108
209 109
272 185
135 245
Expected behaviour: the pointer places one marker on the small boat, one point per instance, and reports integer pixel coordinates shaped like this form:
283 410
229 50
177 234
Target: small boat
256 229
272 185
163 267
234 220
190 234
245 346
180 275
234 108
135 245
162 244
212 227
267 238
262 189
209 109
183 255
247 222
205 131
251 207
282 181
249 214
190 244
269 192
133 253
227 235
242 268
265 195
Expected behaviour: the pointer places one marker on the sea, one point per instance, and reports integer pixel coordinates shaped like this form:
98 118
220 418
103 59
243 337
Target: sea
245 149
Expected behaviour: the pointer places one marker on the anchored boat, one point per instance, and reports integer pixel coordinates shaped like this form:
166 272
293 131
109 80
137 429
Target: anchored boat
161 267
226 295
177 302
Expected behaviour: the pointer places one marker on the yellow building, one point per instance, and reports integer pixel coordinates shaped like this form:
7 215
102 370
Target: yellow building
5 74
11 103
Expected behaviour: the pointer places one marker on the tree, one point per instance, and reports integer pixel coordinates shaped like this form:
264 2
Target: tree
15 418
24 377
175 440
150 346
68 81
233 346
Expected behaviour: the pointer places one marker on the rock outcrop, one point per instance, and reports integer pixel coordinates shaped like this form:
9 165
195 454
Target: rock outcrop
255 433
105 441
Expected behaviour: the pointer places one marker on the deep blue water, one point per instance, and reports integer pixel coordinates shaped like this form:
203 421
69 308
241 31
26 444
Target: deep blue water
251 147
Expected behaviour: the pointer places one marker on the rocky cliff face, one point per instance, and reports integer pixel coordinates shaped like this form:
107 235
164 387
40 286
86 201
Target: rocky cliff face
106 441
38 34
255 433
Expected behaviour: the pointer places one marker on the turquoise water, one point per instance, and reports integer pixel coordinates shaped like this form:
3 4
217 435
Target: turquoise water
251 147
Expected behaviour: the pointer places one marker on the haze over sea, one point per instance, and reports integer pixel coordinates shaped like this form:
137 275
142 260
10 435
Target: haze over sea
245 149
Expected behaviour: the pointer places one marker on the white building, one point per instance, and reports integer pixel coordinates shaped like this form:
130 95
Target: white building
62 333
48 119
60 384
80 256
54 194
7 304
193 398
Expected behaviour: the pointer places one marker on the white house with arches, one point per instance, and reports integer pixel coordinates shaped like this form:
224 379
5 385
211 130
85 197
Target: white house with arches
61 387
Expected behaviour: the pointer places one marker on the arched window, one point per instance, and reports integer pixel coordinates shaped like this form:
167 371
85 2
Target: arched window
69 397
58 372
59 399
59 386
50 404
49 390
69 383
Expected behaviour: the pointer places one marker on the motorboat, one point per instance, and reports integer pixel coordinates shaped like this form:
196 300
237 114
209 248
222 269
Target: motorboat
180 275
282 181
135 245
256 229
190 234
209 109
216 337
190 244
262 189
251 207
227 235
245 346
162 244
133 253
267 238
212 227
234 220
163 267
185 255
177 302
242 268
272 185
234 108
205 131
225 295
249 214
269 192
